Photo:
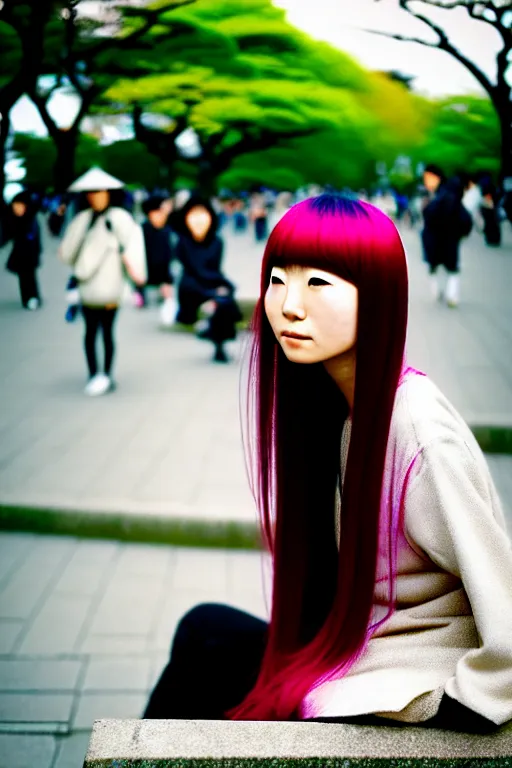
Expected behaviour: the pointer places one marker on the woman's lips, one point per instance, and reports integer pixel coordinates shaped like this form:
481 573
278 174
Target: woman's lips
293 335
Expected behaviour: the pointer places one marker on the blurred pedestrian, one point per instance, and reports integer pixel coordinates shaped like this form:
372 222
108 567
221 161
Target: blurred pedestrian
445 223
104 246
200 250
489 210
158 248
239 215
25 257
258 214
472 199
57 216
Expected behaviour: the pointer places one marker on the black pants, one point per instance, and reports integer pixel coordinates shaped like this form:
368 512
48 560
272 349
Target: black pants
189 303
261 228
96 318
215 659
29 288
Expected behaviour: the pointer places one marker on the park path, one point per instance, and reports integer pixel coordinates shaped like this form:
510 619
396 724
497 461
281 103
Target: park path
167 443
85 626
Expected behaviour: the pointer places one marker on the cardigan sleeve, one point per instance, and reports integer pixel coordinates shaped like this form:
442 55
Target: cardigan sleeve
131 238
452 513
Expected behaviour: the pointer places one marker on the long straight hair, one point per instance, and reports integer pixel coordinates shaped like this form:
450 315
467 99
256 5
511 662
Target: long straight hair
324 605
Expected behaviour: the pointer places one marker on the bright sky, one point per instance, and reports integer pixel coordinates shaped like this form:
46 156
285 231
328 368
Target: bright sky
340 22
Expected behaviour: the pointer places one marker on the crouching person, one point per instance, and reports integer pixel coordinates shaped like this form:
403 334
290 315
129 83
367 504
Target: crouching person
203 283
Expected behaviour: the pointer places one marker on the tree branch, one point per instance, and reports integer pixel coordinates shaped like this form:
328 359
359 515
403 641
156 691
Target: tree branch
41 103
403 38
151 16
266 140
497 23
160 143
442 44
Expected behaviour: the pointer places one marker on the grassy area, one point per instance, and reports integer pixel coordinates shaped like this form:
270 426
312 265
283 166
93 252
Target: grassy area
246 308
131 528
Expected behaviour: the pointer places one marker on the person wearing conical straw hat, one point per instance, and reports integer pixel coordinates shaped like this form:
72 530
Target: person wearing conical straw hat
104 246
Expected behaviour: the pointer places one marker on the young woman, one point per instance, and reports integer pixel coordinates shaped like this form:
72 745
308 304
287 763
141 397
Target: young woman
200 251
104 247
392 569
24 259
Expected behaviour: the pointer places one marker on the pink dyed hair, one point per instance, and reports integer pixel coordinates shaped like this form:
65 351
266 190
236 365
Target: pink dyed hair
323 600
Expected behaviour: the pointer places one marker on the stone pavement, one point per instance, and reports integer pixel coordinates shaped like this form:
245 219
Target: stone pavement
85 629
167 443
85 626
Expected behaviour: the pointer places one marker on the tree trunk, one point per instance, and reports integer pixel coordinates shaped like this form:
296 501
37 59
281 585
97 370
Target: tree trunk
64 169
4 135
206 178
158 143
505 117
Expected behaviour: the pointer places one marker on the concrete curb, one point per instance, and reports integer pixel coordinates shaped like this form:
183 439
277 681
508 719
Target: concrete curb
212 744
173 529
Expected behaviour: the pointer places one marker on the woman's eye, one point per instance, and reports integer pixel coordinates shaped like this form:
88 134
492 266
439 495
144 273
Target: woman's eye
317 281
276 280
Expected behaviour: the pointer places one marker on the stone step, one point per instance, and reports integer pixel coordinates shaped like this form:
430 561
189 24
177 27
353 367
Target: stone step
211 744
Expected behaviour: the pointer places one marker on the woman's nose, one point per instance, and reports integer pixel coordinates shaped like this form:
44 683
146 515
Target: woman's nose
293 305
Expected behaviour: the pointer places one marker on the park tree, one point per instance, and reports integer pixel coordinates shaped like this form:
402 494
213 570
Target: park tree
497 14
65 41
89 60
282 95
471 117
22 26
39 156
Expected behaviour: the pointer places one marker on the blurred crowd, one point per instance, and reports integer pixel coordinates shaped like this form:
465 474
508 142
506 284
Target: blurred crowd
144 245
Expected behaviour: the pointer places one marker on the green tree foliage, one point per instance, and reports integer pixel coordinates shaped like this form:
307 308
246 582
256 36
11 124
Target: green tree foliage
39 156
269 104
280 95
130 161
60 38
491 13
463 134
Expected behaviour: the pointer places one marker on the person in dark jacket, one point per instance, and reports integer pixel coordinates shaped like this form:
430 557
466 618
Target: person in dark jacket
159 252
24 259
200 251
489 210
445 223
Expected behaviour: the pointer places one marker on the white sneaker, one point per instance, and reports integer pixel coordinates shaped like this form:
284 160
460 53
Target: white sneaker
435 288
453 291
98 385
33 304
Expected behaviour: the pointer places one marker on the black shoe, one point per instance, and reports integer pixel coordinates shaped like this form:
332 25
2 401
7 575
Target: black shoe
220 355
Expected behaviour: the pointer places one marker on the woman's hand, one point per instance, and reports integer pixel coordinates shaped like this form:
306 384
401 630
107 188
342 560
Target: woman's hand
209 307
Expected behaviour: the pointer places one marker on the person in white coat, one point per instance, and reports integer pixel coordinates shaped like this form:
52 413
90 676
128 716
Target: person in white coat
104 246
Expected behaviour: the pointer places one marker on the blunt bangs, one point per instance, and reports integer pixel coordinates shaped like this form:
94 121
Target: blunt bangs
335 233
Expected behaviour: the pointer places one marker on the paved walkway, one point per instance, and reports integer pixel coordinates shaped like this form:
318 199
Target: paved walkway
85 626
85 629
168 441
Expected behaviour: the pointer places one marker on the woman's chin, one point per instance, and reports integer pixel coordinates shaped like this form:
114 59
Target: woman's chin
300 356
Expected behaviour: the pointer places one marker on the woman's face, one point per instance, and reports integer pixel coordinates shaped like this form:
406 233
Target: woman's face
98 200
198 221
19 208
158 218
313 313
